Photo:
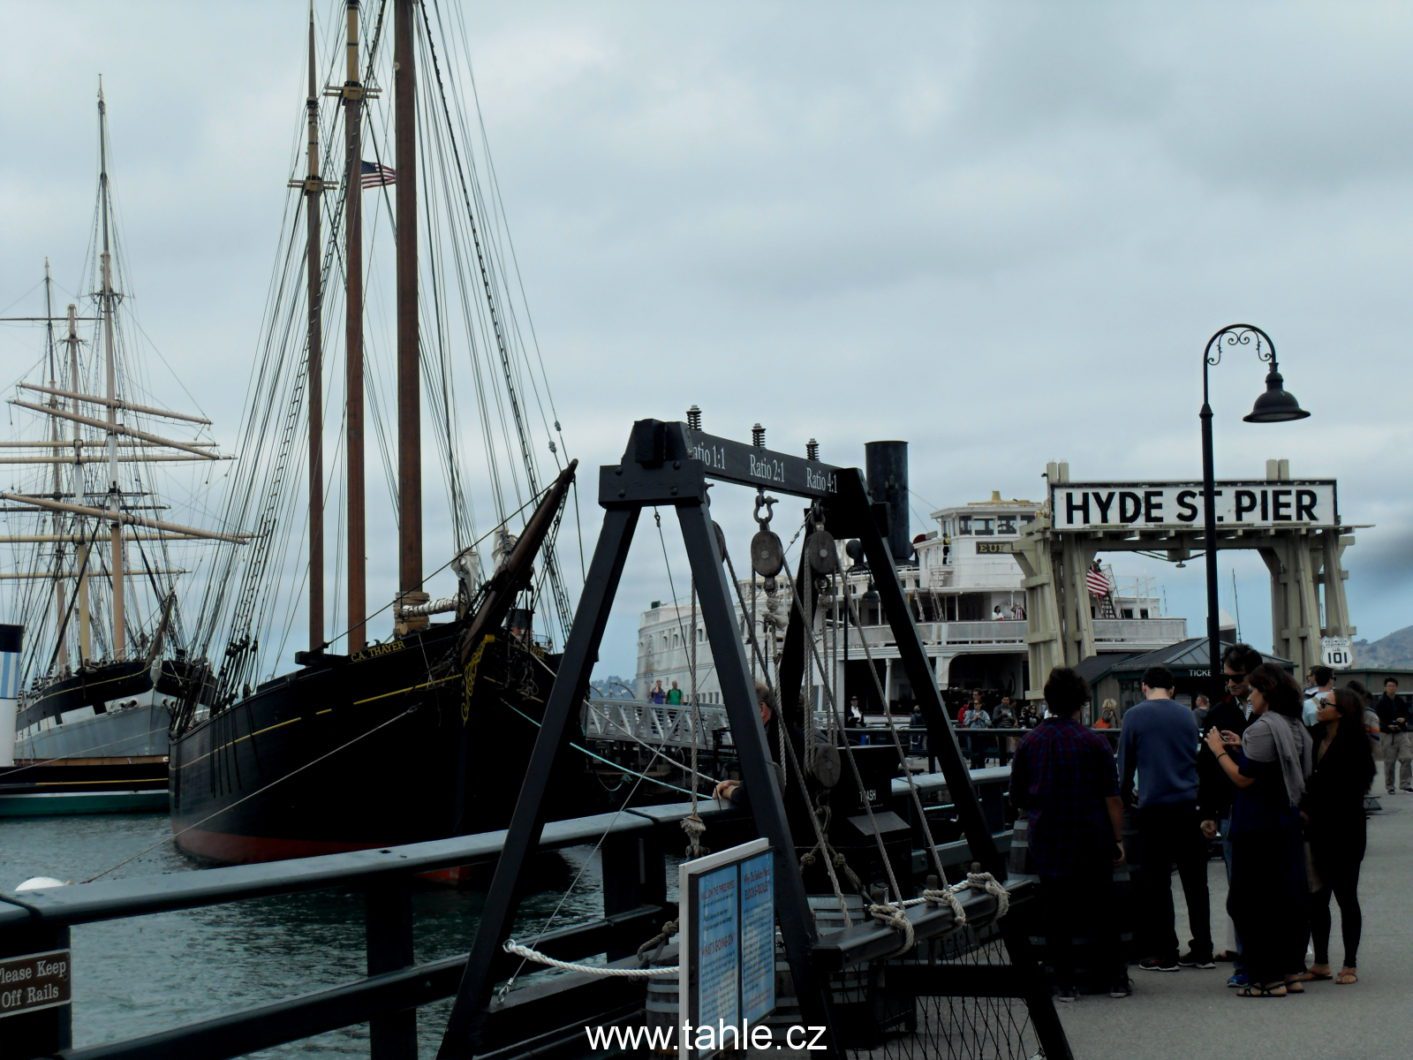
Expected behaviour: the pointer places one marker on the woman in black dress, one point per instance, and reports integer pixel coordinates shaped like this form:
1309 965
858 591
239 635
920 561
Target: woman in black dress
1269 897
1334 805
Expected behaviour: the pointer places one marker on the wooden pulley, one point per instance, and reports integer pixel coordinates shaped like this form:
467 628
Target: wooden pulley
767 554
720 538
827 767
819 549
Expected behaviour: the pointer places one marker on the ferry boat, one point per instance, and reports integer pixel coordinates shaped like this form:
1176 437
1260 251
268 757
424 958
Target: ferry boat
965 590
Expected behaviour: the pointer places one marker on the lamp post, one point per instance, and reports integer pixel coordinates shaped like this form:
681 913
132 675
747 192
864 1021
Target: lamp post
1273 406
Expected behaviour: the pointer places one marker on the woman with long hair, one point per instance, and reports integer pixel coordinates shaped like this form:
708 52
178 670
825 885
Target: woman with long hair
1268 898
1334 807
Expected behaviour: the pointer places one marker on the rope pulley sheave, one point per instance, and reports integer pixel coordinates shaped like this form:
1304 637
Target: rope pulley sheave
767 551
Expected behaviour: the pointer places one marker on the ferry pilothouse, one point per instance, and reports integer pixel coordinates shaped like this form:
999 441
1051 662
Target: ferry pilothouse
965 591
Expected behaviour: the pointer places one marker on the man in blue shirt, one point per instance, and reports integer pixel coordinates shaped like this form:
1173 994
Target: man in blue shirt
1063 777
1159 744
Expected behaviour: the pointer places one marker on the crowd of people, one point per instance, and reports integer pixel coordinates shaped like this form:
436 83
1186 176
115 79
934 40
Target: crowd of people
1280 774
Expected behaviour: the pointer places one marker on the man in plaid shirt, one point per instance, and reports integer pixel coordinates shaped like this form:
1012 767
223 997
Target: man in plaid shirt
1065 778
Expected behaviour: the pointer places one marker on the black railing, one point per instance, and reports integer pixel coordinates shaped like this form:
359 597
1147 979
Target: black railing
635 848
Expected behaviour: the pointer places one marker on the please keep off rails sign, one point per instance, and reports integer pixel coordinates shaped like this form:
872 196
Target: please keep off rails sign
1174 506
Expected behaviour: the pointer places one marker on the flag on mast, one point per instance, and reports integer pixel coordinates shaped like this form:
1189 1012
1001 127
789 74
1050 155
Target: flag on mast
375 174
1097 582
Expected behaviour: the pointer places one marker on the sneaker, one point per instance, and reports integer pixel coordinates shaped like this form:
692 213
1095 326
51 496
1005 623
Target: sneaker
1122 987
1238 979
1192 959
1067 994
1156 964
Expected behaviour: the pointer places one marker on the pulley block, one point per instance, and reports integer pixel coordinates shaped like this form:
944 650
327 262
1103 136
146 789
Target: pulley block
819 549
827 767
767 554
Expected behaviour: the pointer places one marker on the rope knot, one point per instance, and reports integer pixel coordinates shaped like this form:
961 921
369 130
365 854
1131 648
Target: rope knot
984 881
895 918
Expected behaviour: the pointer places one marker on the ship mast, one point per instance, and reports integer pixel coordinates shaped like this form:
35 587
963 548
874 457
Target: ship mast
409 415
313 191
353 94
107 301
85 635
57 472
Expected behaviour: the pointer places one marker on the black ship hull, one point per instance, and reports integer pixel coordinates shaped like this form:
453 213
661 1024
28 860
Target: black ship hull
93 686
397 744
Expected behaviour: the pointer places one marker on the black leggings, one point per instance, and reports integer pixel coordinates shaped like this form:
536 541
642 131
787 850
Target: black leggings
1345 888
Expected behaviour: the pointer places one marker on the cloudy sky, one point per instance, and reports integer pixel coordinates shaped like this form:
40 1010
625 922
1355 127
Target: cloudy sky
1001 231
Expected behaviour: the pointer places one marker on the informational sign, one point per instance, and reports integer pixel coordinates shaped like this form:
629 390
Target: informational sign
33 982
726 913
1338 652
1178 505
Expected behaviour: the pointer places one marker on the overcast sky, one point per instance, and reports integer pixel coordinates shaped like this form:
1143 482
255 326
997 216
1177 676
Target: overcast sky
1000 231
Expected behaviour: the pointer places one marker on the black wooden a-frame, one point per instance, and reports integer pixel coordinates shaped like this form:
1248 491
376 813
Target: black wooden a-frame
669 465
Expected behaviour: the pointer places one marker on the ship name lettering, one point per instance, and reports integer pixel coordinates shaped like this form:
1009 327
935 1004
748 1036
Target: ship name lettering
374 651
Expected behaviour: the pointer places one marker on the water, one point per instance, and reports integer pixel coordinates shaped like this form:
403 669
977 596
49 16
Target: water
145 974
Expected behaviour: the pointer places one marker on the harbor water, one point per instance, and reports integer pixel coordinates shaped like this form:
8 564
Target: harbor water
138 976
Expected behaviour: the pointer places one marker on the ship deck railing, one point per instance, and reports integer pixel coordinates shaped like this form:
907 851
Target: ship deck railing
634 845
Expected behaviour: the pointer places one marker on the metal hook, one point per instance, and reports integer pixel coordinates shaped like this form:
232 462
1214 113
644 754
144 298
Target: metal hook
768 503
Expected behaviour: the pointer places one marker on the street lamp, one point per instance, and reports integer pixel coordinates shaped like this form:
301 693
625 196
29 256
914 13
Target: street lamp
1273 406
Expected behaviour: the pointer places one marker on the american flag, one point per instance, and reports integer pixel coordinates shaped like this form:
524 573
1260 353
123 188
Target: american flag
1097 582
375 174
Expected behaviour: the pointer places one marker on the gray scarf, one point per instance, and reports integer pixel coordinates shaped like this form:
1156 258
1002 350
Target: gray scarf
1275 738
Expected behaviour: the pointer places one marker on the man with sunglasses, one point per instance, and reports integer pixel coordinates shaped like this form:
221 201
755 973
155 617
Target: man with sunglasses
1215 791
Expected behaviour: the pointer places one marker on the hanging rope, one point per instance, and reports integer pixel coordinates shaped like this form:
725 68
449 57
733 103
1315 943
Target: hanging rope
692 824
852 614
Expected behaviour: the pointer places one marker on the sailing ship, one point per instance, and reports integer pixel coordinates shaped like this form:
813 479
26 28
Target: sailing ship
97 562
424 734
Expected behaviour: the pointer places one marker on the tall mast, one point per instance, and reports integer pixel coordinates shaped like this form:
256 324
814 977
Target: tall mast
85 636
57 473
409 415
313 190
107 303
353 381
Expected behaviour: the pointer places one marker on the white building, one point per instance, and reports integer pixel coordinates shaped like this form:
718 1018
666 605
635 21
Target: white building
966 595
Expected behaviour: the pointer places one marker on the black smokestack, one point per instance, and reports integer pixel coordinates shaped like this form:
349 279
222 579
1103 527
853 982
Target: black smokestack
886 466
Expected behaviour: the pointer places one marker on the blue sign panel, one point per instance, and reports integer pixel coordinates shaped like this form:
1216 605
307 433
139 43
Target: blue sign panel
718 945
757 937
727 915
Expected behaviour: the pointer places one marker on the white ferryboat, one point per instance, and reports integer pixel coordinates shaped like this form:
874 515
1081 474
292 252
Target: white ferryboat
966 593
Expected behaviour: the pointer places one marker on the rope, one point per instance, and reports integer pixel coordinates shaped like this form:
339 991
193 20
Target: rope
258 791
692 823
894 917
988 883
656 943
526 953
852 614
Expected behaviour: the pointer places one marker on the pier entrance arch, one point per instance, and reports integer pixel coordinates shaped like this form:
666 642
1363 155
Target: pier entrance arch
1294 525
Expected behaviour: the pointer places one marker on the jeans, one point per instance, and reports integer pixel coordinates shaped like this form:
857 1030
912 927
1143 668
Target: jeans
1081 907
1171 836
1398 758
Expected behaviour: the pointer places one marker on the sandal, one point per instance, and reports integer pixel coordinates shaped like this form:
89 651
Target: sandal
1347 977
1313 976
1294 986
1259 990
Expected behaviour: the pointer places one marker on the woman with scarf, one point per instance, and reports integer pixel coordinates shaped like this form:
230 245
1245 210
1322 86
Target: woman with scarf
1269 897
1334 805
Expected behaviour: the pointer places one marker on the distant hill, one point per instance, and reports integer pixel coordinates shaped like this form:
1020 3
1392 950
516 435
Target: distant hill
1395 650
